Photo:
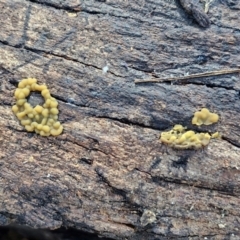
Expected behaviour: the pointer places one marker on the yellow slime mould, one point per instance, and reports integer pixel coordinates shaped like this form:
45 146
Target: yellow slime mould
204 117
180 138
40 119
216 135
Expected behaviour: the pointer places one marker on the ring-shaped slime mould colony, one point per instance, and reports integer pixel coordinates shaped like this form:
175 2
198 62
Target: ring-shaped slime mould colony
181 138
40 119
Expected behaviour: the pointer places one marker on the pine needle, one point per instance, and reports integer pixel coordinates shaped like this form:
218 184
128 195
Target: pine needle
198 75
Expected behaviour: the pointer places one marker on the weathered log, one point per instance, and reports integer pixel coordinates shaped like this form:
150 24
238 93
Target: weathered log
108 173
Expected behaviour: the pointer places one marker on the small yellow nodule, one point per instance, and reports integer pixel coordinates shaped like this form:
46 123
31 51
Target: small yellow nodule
204 117
216 135
15 109
41 119
38 109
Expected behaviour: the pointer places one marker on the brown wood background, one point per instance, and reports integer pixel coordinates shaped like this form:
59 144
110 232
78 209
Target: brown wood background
108 173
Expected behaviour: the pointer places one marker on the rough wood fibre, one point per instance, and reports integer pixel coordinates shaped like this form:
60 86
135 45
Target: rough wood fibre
109 168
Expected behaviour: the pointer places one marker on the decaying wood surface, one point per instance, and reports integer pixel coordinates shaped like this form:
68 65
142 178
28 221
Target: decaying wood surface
108 173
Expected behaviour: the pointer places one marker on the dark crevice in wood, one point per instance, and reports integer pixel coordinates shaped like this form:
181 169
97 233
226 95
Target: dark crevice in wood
100 173
17 130
5 103
62 99
74 234
140 66
14 82
222 189
128 122
181 163
19 45
231 141
75 141
226 27
90 147
37 51
4 71
75 9
105 153
155 163
18 232
25 27
86 160
94 12
137 169
40 52
126 224
210 85
65 57
56 6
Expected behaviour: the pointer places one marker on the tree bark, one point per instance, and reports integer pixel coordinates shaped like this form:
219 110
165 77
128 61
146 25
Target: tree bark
108 173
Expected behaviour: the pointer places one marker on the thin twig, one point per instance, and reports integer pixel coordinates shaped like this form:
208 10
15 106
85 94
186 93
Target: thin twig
198 75
207 5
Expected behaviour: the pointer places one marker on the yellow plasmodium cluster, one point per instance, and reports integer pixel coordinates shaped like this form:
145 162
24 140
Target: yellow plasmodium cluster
180 138
204 117
40 119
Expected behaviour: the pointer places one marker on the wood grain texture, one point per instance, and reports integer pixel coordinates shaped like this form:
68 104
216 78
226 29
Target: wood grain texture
195 9
108 173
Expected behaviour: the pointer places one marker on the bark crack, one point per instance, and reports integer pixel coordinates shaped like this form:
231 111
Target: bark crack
158 179
128 122
75 8
65 57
